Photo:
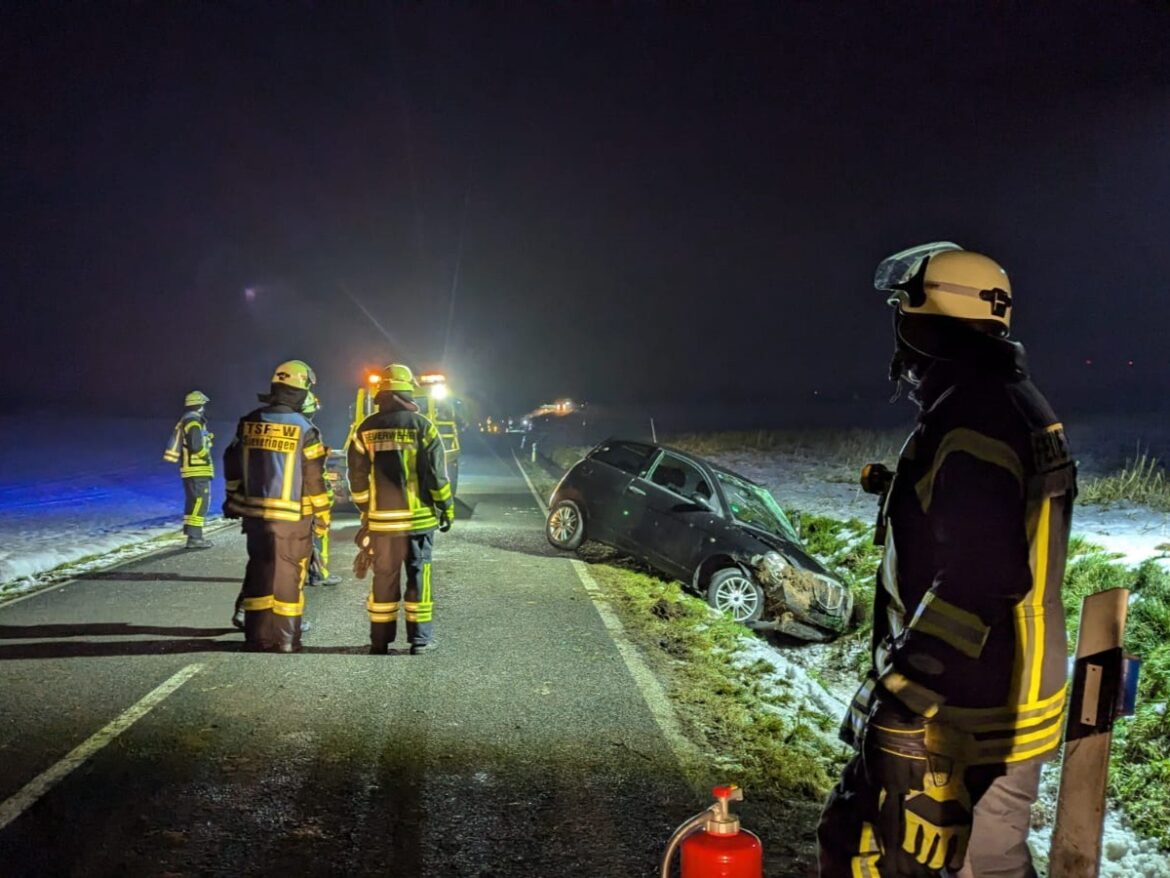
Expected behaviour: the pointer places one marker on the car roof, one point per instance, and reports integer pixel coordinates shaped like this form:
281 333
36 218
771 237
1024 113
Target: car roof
686 455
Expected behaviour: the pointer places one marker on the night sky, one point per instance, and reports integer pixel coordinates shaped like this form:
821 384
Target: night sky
644 203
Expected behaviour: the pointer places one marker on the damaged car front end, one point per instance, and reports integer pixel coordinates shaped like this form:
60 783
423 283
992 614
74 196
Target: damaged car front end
801 603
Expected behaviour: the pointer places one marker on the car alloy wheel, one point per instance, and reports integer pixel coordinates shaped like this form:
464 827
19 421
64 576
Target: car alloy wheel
735 593
566 525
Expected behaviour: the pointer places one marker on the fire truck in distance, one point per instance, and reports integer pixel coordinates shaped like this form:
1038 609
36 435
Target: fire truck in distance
435 401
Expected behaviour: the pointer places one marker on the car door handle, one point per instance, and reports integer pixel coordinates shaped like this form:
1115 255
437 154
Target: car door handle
633 489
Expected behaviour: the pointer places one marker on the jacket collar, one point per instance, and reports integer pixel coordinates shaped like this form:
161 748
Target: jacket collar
995 360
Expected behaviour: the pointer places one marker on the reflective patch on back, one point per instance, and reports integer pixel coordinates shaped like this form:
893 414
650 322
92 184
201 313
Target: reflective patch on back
395 439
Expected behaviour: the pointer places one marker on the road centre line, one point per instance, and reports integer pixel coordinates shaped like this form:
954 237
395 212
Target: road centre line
685 752
28 795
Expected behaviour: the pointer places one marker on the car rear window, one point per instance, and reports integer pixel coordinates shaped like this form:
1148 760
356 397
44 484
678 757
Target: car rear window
629 457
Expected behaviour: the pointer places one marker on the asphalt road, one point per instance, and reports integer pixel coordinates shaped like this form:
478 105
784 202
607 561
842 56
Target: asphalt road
521 746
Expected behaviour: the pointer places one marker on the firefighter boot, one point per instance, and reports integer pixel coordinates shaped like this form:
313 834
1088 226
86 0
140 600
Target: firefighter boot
381 636
199 543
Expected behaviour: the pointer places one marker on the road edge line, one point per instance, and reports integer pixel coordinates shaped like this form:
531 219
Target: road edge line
24 798
684 751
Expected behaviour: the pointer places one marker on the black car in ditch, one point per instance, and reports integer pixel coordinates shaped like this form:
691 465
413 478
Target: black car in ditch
719 532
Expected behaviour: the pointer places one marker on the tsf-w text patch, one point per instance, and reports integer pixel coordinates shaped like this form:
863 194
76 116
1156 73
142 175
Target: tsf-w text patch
266 436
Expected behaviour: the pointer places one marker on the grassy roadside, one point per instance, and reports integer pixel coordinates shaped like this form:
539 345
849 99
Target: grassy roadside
725 706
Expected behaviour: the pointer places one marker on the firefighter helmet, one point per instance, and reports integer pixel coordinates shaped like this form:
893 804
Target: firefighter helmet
944 280
311 405
398 379
294 373
194 398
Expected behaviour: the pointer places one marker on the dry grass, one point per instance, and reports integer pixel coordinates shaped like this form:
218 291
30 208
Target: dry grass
1142 480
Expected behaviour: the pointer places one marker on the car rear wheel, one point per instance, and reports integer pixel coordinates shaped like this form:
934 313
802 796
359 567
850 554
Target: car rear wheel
566 526
735 593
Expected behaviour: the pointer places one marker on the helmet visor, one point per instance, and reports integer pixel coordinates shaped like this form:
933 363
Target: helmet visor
895 274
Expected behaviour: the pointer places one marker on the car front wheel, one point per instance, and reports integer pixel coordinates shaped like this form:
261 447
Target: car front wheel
735 593
566 526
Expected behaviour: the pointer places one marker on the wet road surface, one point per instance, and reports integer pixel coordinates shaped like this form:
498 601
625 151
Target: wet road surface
521 746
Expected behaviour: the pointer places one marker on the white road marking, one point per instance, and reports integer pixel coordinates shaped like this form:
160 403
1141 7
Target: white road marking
531 487
685 753
13 807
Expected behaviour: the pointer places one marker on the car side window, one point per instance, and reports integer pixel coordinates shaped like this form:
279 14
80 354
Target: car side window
629 457
680 477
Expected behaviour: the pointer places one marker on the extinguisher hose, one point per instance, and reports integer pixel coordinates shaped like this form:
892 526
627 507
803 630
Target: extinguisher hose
679 834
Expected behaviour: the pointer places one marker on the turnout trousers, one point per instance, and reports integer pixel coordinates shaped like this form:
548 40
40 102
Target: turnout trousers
860 832
393 552
197 496
273 594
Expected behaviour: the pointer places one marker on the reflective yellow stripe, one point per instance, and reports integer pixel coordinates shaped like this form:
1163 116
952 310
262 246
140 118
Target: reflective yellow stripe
1039 584
286 489
915 696
319 501
360 496
991 719
269 503
953 625
444 493
312 452
864 865
375 607
265 514
357 443
171 456
426 588
260 603
979 446
284 608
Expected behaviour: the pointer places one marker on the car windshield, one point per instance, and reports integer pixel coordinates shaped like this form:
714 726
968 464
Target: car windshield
755 506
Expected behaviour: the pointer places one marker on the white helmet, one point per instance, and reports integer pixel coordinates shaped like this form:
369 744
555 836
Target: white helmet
944 280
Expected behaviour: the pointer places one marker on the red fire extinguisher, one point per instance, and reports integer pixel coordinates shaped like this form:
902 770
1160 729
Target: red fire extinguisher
713 845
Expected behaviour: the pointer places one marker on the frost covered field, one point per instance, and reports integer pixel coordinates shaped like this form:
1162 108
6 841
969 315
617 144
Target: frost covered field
75 488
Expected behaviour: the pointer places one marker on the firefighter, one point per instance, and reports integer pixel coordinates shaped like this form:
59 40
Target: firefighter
398 481
190 448
274 471
319 563
965 696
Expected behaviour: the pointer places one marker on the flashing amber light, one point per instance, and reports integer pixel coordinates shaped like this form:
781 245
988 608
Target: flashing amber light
374 379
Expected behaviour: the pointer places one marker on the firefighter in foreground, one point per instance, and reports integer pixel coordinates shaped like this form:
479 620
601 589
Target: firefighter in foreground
398 481
274 470
319 562
965 697
190 448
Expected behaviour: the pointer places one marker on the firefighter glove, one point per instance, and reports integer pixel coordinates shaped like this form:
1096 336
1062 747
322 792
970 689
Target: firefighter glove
893 745
446 517
937 818
228 512
365 556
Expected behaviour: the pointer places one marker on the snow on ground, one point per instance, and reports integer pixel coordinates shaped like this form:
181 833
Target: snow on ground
1135 533
72 489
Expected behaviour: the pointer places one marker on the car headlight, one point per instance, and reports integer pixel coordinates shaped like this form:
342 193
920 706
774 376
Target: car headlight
830 593
772 566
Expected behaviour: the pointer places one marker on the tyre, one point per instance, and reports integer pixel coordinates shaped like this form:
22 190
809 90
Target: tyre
566 526
734 592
